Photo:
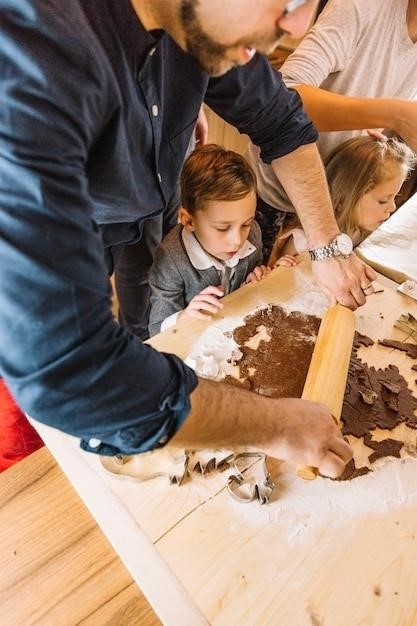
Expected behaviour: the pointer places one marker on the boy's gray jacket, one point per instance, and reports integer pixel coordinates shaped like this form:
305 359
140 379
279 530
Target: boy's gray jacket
174 281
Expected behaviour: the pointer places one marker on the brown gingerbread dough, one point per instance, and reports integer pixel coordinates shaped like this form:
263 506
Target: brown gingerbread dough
408 348
392 401
278 368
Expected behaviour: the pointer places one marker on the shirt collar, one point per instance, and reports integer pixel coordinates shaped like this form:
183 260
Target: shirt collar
201 260
135 39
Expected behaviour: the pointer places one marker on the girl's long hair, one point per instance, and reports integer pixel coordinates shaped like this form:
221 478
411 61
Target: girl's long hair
358 165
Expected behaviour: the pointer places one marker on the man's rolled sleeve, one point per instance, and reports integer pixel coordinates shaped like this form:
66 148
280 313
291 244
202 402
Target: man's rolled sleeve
255 99
153 431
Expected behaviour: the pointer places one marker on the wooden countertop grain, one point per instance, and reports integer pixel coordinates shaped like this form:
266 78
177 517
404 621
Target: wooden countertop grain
345 551
56 566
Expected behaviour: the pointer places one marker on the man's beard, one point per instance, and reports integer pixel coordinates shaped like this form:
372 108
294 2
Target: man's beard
209 54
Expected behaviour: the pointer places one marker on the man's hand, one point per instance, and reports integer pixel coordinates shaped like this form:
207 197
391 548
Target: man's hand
294 430
347 281
207 300
308 435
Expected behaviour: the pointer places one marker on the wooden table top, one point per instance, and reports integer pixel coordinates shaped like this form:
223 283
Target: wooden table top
210 560
56 566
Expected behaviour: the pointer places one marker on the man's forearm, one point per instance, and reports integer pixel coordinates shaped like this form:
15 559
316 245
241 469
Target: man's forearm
224 416
302 174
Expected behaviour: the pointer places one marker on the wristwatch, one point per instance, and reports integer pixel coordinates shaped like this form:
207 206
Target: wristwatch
340 246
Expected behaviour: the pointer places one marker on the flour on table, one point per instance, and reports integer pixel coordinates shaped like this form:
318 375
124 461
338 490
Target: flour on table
214 355
304 505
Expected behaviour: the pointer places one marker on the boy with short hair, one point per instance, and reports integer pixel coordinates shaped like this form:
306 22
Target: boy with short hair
217 245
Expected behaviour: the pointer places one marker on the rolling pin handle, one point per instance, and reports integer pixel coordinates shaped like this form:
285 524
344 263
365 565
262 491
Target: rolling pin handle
330 362
307 472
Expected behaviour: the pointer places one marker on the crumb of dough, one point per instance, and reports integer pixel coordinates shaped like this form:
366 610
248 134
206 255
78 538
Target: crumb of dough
393 404
408 348
351 471
386 447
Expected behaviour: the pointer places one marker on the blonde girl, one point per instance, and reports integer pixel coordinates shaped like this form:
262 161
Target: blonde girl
364 175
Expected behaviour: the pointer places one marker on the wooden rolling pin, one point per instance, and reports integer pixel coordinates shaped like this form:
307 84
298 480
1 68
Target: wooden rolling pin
327 374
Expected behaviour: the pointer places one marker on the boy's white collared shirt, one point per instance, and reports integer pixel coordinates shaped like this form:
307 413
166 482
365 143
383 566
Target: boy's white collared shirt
202 260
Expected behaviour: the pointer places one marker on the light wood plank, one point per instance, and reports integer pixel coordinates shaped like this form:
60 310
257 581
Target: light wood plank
56 566
239 563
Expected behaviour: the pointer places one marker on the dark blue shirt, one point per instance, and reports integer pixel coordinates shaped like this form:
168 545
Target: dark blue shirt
95 118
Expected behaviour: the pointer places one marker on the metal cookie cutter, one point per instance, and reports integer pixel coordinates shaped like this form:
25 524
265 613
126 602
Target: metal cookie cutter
409 287
256 484
197 465
146 466
408 324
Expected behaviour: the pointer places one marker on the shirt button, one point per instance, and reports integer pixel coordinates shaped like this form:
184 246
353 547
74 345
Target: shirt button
94 443
159 177
155 110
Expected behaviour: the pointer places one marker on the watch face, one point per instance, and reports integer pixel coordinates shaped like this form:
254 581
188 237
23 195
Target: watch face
344 244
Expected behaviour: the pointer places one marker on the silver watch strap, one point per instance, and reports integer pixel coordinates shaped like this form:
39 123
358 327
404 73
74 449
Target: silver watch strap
325 252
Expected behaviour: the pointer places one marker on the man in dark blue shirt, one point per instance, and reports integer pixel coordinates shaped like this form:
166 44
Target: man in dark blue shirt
98 103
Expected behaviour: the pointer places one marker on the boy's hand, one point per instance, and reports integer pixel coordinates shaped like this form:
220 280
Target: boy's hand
207 300
287 260
259 272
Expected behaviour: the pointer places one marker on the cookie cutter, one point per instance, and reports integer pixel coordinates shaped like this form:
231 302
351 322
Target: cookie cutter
249 481
210 467
246 488
408 324
125 466
409 288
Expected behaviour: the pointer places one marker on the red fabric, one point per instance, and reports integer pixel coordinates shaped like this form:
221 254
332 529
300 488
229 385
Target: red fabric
17 437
